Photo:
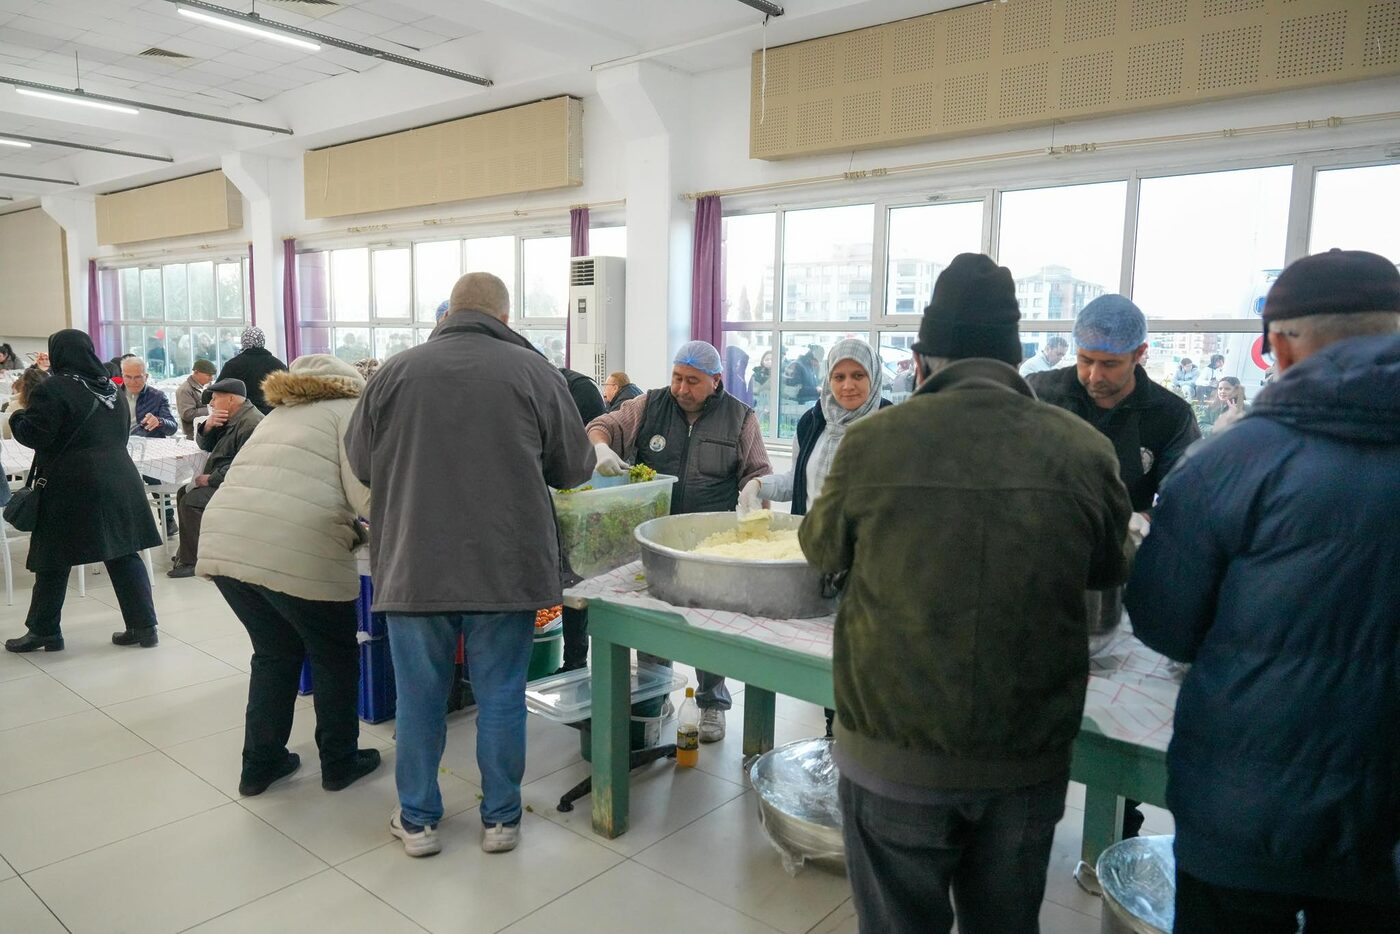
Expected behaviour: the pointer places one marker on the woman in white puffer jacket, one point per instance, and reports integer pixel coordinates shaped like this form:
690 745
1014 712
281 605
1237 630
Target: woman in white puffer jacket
278 541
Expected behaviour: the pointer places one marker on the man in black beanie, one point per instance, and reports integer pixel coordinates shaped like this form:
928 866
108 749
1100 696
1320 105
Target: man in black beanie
971 520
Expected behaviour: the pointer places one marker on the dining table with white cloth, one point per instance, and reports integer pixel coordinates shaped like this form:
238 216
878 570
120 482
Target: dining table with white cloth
167 460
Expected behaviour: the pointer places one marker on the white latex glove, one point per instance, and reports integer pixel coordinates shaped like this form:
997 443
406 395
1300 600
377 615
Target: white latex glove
750 497
609 464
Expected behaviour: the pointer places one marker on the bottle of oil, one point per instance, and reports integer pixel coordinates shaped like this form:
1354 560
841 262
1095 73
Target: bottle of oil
688 732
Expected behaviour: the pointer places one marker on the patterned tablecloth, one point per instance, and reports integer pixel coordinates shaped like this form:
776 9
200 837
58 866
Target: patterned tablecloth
1132 689
169 460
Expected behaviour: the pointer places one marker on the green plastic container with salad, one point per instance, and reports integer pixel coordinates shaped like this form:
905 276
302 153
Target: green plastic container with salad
597 520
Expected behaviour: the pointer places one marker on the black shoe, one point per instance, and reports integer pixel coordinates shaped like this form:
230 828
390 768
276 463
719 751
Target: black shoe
32 643
171 529
366 761
181 570
146 638
250 788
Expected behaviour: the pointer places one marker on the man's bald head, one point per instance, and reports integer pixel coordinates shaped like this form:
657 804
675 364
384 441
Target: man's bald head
483 292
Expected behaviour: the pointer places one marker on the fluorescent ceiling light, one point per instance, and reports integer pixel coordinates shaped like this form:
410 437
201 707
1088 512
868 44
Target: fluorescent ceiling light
14 142
251 30
76 99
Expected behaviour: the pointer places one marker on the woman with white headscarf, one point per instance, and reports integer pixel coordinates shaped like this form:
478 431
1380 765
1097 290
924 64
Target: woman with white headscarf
850 392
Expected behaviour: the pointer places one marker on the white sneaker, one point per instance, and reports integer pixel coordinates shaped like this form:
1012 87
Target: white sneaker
422 843
500 838
711 725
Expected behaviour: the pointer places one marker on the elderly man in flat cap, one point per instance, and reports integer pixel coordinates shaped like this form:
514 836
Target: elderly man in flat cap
232 418
1273 567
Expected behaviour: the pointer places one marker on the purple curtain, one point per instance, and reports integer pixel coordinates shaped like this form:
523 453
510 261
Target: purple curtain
578 232
578 246
291 311
252 292
95 311
706 307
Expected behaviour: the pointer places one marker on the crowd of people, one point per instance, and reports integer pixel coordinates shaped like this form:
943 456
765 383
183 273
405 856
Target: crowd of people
966 526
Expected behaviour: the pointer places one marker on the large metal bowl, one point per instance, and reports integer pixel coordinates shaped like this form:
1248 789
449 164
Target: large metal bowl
776 589
796 789
1104 609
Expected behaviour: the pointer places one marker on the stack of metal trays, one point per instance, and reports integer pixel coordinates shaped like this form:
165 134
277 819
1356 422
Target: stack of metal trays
797 803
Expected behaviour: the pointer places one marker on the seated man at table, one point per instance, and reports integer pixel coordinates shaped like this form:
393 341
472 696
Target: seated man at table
232 418
189 397
150 415
971 518
150 409
1273 567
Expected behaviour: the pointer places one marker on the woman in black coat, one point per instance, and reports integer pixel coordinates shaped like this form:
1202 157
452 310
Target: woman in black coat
94 506
253 364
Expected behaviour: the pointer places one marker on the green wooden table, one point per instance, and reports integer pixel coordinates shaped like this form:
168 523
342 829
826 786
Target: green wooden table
1110 769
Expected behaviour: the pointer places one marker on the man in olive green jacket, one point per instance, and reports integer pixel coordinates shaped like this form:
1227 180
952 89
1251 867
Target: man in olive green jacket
971 519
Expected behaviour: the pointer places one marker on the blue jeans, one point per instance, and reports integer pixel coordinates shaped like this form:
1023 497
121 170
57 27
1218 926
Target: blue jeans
988 849
424 649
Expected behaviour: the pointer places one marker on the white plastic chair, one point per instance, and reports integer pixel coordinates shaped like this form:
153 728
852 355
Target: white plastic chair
9 534
165 497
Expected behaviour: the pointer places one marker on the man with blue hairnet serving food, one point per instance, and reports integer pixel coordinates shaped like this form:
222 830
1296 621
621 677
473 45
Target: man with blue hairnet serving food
1150 426
698 432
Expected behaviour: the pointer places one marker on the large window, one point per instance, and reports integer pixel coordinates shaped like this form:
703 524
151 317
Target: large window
174 313
922 241
1197 251
1209 245
376 301
1355 209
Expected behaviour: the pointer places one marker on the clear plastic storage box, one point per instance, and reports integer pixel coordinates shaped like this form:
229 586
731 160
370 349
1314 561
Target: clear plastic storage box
597 524
568 697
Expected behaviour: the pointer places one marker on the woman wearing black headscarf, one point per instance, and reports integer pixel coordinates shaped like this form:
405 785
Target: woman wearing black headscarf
94 506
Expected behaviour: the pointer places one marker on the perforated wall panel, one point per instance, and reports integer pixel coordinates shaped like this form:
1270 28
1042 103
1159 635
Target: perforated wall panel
197 204
534 147
34 268
1014 63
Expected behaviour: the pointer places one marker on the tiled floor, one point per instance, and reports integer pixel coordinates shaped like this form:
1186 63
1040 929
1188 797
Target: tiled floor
119 811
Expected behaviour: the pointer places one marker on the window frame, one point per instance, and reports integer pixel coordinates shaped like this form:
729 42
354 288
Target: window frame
113 321
1305 168
460 236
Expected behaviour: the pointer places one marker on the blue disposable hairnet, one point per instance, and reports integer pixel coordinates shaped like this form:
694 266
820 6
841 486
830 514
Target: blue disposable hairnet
442 311
700 355
1110 324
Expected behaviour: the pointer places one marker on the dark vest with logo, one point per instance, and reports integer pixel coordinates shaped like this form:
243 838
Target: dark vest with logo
705 455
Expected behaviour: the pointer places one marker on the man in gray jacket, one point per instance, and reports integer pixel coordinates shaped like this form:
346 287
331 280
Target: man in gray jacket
459 440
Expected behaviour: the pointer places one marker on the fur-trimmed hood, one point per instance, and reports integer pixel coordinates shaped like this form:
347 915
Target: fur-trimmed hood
313 378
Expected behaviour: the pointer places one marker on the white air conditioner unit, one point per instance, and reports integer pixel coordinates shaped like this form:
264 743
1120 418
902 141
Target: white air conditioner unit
595 315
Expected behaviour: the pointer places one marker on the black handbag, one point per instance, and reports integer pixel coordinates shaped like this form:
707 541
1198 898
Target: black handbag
22 511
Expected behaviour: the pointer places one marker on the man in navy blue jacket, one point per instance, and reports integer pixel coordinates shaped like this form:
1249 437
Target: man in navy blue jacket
1273 567
150 416
150 409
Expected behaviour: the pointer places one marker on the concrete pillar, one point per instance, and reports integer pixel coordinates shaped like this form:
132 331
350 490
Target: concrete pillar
650 104
263 182
77 215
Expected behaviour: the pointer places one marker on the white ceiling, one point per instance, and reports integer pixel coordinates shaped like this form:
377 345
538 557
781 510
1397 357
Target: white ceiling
530 48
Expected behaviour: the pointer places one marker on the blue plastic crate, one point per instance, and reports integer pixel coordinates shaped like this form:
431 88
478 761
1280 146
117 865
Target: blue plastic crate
378 698
372 624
